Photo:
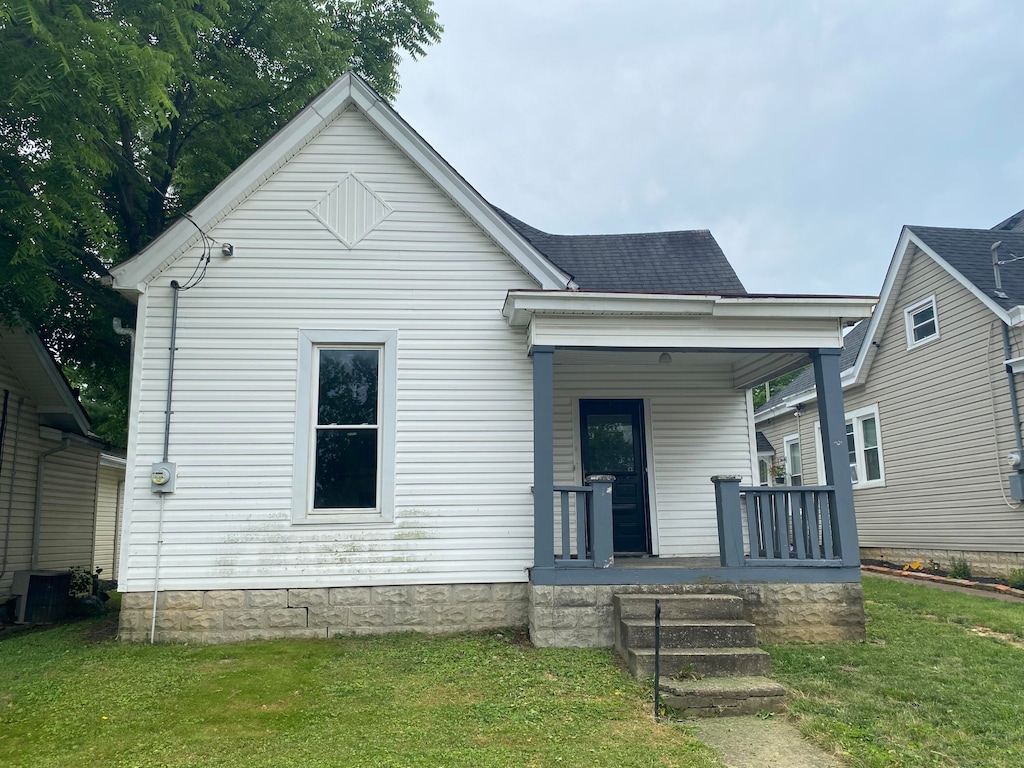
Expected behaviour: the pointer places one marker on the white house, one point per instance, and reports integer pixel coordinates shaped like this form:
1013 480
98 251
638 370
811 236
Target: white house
361 393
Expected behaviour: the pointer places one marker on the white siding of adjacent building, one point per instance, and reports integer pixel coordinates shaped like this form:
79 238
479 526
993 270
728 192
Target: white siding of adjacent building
463 467
109 494
945 427
68 501
698 427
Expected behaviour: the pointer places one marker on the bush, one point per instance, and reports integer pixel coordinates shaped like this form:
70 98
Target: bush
959 568
1016 578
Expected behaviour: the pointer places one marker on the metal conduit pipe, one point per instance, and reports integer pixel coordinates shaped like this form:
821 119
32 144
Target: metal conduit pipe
37 520
176 288
1011 381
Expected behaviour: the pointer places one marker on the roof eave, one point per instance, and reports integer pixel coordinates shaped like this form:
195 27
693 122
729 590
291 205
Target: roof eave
132 276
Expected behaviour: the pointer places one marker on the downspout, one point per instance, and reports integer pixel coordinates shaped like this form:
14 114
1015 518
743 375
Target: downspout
14 475
37 521
1011 381
167 440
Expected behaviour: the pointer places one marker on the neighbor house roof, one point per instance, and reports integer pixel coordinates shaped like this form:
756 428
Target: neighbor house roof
688 261
1015 222
56 404
804 381
969 252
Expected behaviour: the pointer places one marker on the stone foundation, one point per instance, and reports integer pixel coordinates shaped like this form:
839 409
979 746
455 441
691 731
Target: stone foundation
991 564
581 617
228 616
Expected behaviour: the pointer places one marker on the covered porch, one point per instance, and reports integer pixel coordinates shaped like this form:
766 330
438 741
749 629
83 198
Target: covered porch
683 366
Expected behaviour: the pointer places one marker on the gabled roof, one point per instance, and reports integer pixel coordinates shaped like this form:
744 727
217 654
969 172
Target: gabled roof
348 91
763 444
1014 223
804 381
56 403
671 262
969 252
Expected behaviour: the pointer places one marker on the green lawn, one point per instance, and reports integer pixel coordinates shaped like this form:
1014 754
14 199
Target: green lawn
924 690
67 699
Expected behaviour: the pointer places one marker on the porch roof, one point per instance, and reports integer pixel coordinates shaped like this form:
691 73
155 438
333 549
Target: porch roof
767 334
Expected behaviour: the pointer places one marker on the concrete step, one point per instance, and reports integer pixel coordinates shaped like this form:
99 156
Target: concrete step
678 606
699 662
722 696
677 633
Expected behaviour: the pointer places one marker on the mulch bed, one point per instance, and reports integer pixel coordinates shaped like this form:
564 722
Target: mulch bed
979 583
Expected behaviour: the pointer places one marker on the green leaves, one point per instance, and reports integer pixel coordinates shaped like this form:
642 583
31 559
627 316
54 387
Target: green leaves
123 114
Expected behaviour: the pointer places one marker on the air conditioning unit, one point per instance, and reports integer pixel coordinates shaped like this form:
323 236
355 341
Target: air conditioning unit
42 595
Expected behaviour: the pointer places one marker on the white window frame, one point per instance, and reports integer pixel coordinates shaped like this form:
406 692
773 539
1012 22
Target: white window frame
310 342
857 418
786 442
908 322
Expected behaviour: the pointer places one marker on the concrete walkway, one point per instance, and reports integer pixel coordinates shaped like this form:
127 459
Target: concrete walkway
755 742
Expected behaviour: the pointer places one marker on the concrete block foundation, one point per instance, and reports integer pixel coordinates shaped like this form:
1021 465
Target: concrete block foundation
581 616
228 616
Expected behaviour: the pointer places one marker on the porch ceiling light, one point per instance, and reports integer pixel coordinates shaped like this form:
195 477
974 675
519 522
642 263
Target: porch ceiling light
664 358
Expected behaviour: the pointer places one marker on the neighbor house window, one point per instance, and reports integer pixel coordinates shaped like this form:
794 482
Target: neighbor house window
792 447
863 448
345 431
922 323
762 471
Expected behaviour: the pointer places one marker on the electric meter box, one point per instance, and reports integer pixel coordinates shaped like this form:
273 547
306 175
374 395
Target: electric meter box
1017 486
161 477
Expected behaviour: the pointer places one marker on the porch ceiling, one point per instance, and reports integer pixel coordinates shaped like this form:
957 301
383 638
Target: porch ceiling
747 368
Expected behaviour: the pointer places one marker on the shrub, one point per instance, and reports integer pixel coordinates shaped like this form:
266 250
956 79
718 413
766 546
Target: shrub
959 568
1016 578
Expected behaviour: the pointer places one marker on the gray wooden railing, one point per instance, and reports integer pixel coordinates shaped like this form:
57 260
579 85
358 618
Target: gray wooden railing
785 525
585 510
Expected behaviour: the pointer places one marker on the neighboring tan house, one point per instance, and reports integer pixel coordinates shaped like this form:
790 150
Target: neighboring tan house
364 399
50 469
929 414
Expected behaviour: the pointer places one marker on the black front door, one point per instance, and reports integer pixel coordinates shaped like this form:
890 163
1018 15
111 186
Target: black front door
612 437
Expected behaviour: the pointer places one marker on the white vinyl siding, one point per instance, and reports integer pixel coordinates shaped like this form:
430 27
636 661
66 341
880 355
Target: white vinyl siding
697 427
463 510
109 495
66 535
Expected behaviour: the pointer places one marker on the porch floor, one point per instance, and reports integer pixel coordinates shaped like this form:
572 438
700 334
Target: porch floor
653 561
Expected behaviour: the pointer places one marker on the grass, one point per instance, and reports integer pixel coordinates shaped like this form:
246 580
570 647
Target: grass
399 700
925 691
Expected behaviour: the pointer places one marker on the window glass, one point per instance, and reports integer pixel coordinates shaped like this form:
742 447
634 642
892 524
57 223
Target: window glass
851 450
347 386
872 466
762 471
347 434
610 443
924 323
793 463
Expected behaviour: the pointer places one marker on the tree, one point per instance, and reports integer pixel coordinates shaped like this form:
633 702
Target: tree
124 113
771 388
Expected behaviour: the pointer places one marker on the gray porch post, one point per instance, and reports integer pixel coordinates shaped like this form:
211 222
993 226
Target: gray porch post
833 440
730 520
543 457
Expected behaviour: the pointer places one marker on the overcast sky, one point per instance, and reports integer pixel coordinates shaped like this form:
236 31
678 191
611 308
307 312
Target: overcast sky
803 134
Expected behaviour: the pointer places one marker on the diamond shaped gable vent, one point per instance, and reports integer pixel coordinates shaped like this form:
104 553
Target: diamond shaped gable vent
351 210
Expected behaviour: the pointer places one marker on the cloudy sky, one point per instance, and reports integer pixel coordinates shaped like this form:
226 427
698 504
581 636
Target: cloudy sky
802 133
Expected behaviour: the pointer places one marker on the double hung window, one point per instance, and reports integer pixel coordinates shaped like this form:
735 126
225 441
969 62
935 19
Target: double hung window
345 428
922 323
863 448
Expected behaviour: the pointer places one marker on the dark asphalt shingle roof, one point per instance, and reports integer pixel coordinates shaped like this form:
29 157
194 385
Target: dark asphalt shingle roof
804 381
763 445
969 252
1014 223
669 262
